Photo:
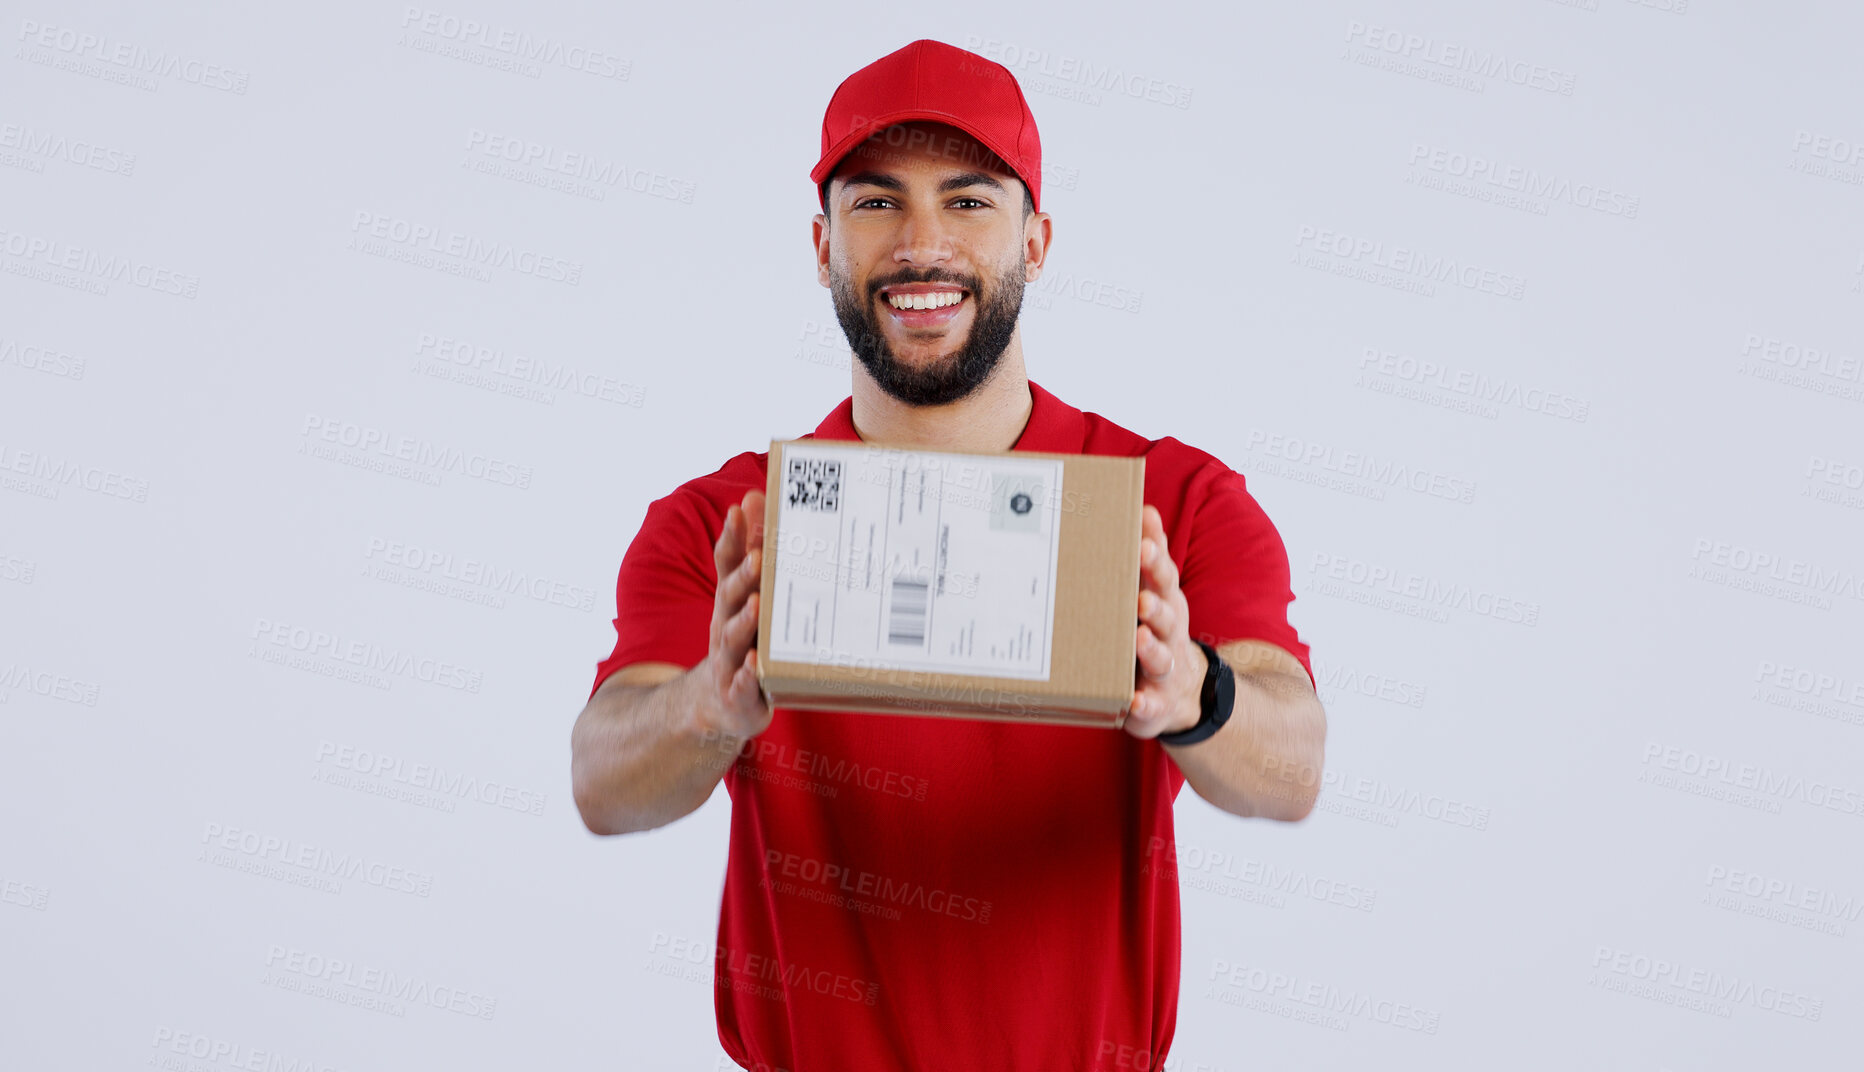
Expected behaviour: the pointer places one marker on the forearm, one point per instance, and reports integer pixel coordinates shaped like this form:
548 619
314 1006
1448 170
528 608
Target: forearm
641 755
1266 760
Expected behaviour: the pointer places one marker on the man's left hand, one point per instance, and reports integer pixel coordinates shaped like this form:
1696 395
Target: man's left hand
1169 682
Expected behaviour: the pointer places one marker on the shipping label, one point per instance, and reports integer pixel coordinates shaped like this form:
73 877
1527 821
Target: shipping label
915 560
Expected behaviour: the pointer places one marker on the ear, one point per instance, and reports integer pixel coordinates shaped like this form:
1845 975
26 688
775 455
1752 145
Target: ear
1038 235
818 232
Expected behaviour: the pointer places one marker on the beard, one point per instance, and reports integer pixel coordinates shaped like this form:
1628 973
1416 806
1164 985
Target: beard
948 377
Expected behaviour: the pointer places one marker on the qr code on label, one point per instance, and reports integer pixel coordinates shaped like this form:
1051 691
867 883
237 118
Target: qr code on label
815 484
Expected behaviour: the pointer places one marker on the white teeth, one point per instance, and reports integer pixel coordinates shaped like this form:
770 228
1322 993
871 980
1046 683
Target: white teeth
937 300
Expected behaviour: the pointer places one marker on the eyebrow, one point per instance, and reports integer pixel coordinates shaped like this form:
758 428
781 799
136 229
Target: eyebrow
969 178
888 181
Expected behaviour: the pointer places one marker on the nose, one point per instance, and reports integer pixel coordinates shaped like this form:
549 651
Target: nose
923 239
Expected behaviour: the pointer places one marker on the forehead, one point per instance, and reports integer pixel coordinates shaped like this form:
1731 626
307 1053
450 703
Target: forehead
921 147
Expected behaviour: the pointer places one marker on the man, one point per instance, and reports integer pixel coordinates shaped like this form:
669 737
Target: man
909 892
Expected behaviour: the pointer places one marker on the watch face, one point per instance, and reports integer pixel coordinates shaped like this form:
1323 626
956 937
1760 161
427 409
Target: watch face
1226 692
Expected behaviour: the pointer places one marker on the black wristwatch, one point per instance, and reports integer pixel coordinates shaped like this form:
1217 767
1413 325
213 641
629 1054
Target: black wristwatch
1218 698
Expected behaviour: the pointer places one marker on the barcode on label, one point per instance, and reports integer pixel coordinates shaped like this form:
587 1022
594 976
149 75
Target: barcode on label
815 485
907 623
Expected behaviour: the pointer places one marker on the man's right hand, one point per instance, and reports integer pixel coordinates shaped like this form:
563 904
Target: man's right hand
734 704
653 741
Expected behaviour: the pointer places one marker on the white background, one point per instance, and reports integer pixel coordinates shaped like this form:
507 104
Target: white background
1628 757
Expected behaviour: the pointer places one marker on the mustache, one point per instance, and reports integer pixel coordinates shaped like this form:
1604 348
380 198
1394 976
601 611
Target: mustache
923 275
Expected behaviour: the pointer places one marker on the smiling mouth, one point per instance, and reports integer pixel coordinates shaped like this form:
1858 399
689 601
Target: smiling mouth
908 299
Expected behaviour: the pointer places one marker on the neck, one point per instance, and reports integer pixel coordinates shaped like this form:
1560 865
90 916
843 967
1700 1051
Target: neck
990 418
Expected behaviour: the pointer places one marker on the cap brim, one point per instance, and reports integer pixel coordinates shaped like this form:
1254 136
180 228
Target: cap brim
842 147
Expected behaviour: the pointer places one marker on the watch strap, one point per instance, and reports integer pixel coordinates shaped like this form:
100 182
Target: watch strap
1218 699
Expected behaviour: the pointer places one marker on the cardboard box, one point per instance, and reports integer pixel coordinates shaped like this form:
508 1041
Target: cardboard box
989 586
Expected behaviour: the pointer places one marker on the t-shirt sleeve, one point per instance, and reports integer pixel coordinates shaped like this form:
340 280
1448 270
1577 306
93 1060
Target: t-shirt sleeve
664 592
1234 568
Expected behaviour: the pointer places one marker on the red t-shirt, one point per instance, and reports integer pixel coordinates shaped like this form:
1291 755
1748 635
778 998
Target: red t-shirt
909 892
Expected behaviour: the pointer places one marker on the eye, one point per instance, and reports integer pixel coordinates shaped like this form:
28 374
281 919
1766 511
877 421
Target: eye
870 202
971 200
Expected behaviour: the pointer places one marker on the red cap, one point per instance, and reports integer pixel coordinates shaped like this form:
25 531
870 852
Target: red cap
934 81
